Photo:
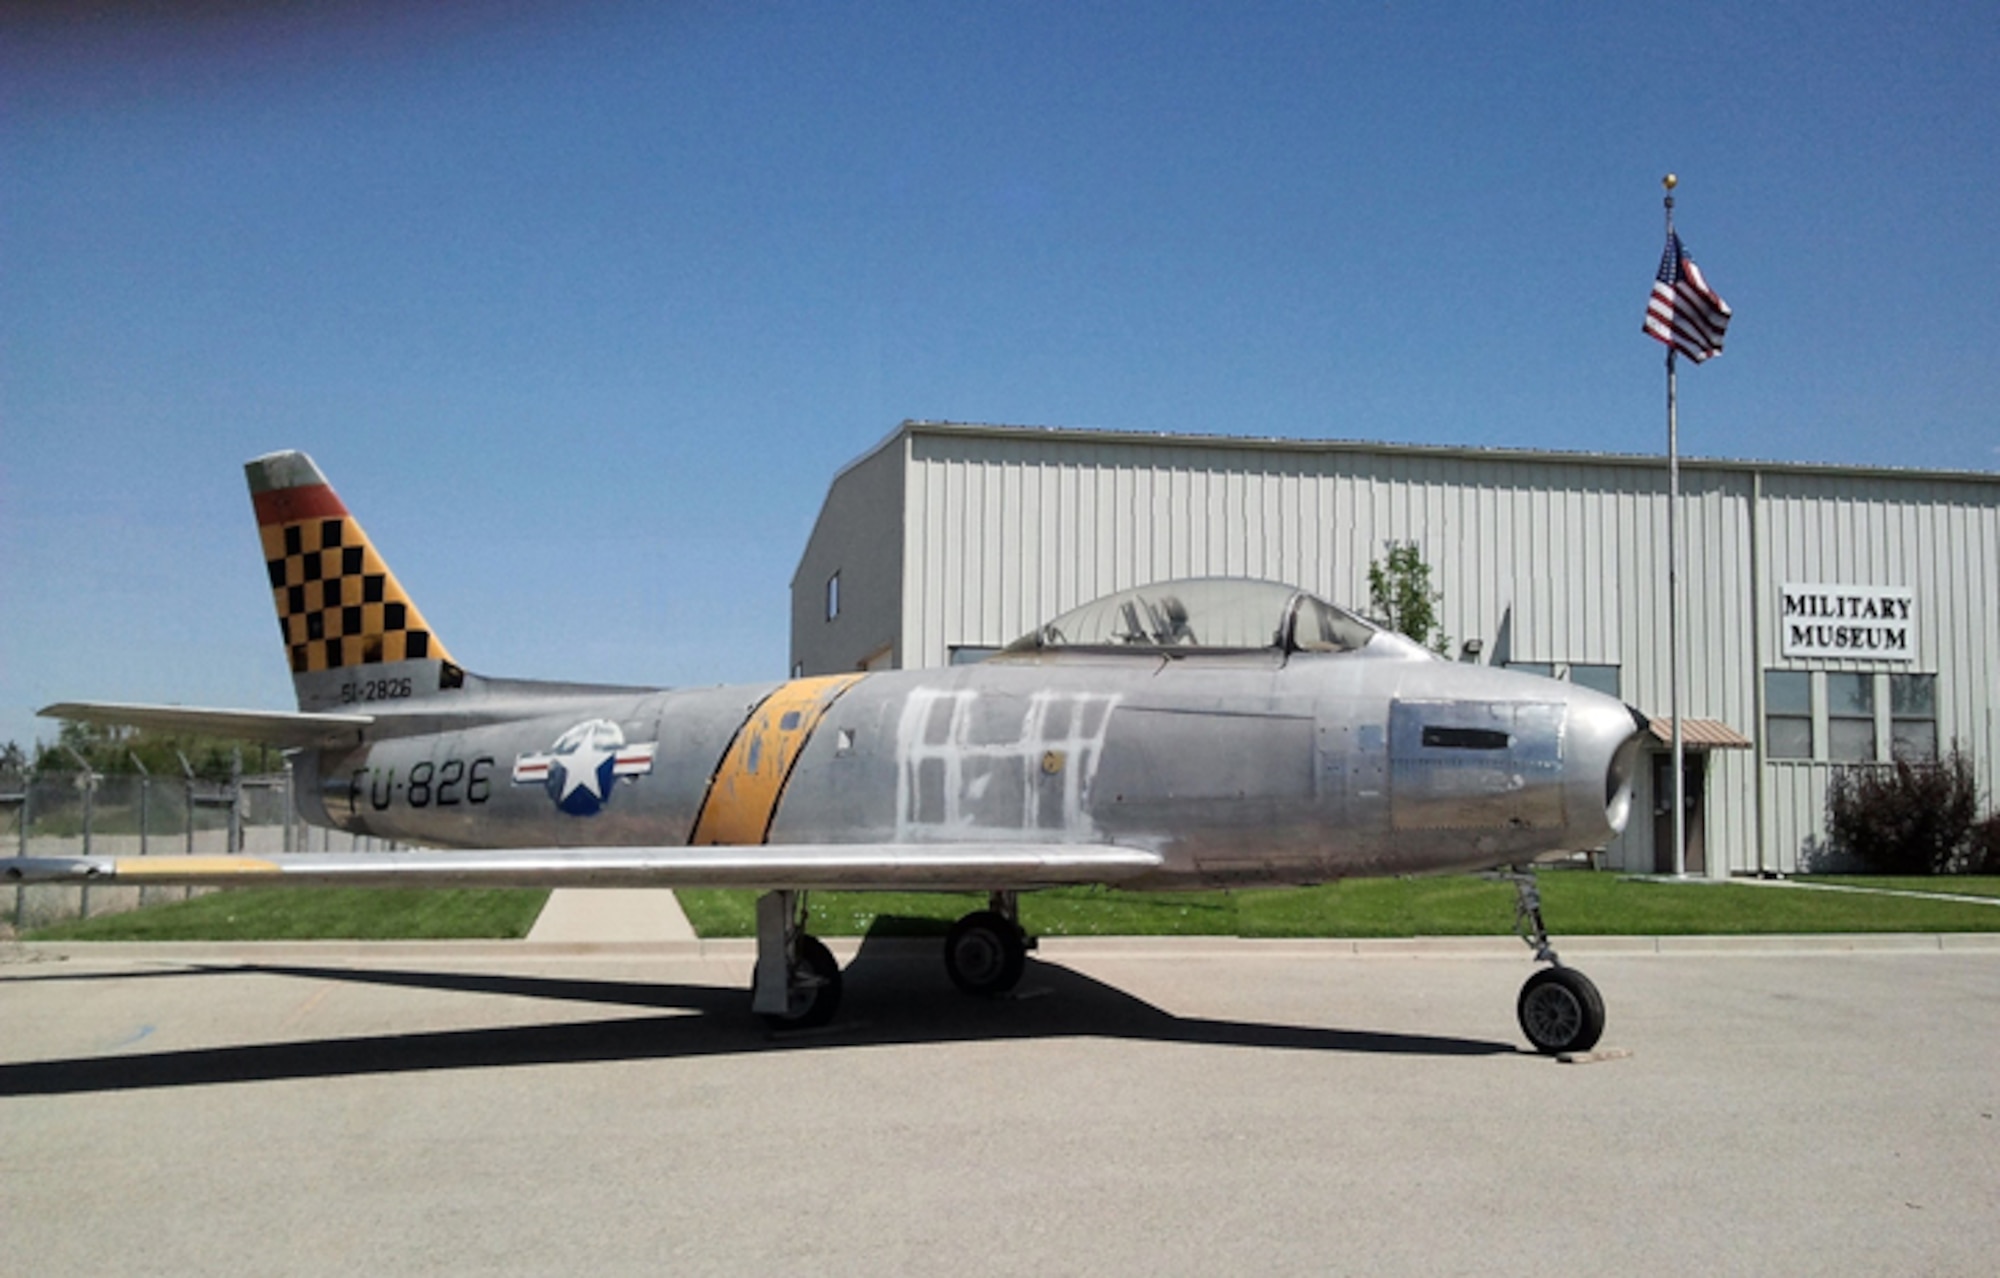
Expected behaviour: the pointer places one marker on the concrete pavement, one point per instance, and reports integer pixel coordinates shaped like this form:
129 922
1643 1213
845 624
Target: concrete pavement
1144 1107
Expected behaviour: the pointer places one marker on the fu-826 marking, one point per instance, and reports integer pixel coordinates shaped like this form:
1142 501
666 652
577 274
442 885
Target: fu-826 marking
1211 732
445 783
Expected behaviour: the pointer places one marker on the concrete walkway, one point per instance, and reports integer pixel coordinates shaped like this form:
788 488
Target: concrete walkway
577 915
1964 898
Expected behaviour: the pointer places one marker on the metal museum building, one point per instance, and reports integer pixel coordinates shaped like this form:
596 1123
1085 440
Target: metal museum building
1831 615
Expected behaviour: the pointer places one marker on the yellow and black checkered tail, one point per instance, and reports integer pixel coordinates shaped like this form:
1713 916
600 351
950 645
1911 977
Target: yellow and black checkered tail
351 632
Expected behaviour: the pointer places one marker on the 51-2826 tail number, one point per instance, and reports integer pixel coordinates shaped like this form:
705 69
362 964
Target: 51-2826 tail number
363 690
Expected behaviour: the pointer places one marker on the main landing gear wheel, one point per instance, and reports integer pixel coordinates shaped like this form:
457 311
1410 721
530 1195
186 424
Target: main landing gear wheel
813 995
985 953
796 983
1561 1011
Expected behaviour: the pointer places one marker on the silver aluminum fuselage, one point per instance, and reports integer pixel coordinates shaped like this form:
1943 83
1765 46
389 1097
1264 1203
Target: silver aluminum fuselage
1236 768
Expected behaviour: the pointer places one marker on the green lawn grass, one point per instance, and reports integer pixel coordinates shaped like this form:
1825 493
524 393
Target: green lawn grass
1575 903
303 914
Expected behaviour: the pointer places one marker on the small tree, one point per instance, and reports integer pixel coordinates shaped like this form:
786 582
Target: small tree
1400 593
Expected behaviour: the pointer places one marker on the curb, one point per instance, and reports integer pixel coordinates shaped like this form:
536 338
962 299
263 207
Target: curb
1174 949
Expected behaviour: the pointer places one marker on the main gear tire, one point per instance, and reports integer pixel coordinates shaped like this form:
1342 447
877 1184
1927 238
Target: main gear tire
815 989
985 953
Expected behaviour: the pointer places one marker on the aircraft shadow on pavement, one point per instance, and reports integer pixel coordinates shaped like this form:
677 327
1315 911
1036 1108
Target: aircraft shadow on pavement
894 994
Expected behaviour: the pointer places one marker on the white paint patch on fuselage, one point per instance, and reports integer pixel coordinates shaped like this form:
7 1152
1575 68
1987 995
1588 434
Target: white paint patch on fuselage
973 766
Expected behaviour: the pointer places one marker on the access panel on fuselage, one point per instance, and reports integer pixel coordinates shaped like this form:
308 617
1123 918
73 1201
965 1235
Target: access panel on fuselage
1468 765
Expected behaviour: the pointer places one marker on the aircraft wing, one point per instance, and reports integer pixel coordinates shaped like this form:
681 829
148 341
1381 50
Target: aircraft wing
267 727
877 866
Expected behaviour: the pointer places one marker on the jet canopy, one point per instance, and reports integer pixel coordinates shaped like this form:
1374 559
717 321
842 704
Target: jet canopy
1213 614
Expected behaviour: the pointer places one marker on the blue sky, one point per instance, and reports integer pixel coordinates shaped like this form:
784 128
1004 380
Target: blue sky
582 305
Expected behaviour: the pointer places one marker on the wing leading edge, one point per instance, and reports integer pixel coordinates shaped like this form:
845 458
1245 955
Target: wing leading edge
804 867
266 727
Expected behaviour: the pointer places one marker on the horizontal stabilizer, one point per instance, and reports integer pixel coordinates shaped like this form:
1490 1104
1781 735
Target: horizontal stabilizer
266 727
872 866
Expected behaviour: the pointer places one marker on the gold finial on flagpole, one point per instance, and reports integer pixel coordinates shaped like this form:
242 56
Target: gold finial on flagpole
1670 181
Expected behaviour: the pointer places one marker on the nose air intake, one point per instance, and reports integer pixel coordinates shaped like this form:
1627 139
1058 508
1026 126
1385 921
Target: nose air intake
1623 770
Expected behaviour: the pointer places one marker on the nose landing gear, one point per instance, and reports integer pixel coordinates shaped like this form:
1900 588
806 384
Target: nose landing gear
1559 1009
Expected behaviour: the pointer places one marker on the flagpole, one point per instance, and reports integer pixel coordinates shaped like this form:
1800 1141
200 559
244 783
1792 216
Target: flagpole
1674 585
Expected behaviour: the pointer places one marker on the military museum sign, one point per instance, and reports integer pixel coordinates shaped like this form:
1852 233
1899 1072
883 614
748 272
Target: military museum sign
1870 623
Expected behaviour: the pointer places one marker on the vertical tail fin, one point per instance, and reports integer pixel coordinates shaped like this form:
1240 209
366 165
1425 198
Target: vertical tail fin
351 632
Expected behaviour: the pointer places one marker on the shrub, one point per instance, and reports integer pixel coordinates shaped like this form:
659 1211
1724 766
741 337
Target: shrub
1905 818
1982 849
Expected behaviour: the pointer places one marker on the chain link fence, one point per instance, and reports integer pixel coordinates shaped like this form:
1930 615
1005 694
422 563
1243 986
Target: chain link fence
90 814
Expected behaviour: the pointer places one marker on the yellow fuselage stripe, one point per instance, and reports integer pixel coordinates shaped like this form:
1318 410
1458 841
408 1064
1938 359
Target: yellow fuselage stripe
743 796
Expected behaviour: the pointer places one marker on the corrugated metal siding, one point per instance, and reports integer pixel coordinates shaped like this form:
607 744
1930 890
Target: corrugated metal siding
1099 518
1544 558
1941 539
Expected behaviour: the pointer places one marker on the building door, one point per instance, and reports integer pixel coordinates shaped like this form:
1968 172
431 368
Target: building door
1695 772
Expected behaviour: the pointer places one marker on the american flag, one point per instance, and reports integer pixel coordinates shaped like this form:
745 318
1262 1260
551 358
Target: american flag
1684 312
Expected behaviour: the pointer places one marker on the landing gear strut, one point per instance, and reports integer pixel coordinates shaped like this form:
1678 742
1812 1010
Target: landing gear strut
1559 1009
797 982
986 951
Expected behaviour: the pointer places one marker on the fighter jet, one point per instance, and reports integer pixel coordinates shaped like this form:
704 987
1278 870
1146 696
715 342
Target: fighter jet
1186 734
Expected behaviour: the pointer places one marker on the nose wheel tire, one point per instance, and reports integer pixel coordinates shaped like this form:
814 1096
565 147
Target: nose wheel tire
985 953
1561 1011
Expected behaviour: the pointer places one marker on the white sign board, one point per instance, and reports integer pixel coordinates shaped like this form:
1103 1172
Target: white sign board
1867 623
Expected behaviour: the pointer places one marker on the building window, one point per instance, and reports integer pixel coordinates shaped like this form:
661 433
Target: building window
1602 679
1913 717
1595 677
833 596
1850 717
1788 723
1851 703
